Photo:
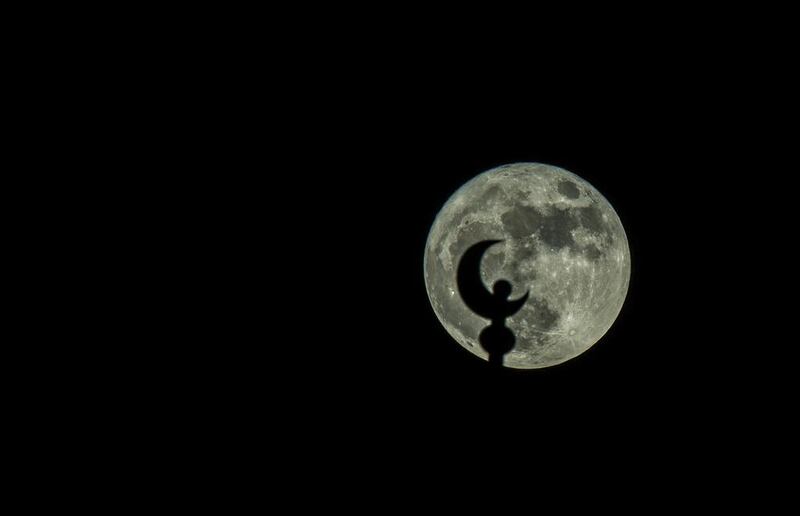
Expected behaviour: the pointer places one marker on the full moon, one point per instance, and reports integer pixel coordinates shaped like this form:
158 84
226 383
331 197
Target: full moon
561 241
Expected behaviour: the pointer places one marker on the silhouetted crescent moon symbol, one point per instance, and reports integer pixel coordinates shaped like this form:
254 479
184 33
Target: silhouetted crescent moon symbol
472 290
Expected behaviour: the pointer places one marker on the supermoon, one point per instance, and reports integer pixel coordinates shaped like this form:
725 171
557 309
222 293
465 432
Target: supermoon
561 241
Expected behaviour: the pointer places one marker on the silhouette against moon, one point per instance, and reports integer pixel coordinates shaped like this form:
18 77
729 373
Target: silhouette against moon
540 230
496 338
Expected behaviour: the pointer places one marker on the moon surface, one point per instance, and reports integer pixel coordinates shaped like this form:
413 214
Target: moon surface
561 240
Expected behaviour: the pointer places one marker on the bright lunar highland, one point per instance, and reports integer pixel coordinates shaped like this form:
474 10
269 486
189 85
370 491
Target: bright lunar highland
561 241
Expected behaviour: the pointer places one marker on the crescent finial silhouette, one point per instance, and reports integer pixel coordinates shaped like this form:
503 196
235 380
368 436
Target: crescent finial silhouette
474 293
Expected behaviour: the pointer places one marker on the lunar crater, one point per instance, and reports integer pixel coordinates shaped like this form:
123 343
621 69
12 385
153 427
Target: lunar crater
568 189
